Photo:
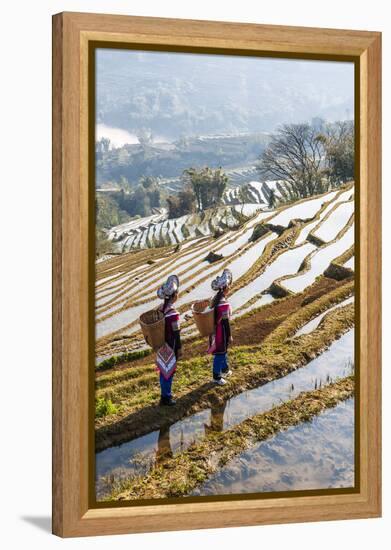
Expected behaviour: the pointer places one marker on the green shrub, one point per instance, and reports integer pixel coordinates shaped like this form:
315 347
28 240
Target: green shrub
259 231
104 407
115 360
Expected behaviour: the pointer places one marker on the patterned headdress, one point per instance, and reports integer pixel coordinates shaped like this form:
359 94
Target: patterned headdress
169 288
222 281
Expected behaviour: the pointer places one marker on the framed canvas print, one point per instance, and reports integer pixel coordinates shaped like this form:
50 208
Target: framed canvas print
216 215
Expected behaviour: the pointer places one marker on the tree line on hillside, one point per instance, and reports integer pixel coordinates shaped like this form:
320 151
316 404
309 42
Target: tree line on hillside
202 188
131 162
107 214
310 158
143 198
119 206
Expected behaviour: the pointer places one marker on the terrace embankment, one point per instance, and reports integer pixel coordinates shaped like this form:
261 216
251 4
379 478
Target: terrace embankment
254 326
135 392
121 299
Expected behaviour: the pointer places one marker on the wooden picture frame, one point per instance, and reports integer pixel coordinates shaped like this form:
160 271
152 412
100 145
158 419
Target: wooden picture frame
73 33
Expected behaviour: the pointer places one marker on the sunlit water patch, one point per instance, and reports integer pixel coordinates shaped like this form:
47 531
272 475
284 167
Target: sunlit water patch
262 300
288 262
303 210
123 318
310 226
350 263
312 325
320 260
336 221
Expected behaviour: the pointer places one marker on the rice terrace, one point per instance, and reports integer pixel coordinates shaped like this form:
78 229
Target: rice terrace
214 202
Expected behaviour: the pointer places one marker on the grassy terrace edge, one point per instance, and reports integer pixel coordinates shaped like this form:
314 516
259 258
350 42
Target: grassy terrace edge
187 470
252 366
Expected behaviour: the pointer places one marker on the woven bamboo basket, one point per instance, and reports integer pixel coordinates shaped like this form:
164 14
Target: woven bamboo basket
153 328
203 317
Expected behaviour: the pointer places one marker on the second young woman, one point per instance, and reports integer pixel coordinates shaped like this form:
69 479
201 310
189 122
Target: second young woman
220 340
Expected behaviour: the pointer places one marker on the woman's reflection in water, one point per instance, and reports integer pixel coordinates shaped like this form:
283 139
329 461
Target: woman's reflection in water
216 418
164 449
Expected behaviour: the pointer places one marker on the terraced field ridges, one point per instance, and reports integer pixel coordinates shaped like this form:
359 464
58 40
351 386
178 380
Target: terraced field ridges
133 284
134 387
264 193
158 231
293 301
269 363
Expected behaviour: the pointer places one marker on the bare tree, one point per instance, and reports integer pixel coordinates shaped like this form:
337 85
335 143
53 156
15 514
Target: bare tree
296 154
339 145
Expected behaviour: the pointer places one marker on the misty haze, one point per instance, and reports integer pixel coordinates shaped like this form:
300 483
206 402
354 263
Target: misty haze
177 94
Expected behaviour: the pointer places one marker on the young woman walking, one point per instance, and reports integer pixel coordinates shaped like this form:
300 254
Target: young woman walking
220 340
167 356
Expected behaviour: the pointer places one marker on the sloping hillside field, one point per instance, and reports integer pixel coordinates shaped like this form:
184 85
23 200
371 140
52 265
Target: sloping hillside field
285 419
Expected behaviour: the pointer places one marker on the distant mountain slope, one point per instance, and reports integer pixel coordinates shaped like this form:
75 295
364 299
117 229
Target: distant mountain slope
177 94
238 155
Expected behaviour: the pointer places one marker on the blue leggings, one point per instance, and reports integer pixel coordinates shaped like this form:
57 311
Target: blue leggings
220 365
165 386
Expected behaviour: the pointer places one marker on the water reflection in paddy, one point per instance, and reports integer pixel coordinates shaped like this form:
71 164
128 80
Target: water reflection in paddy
136 457
314 455
314 323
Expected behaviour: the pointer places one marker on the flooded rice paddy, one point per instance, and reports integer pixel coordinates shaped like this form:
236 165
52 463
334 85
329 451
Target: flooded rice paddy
314 455
314 323
335 222
319 261
138 456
